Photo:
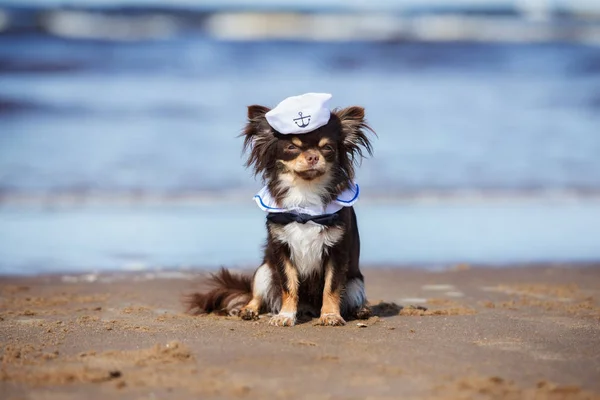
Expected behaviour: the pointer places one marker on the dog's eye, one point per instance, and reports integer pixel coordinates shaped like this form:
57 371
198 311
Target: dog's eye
328 147
291 147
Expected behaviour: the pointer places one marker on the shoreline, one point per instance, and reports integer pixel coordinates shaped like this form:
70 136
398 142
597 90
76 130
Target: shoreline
69 199
139 273
97 238
512 332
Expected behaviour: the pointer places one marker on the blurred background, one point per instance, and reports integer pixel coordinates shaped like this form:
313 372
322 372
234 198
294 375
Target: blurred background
118 125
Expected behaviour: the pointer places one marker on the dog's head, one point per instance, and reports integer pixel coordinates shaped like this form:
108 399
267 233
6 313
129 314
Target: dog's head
322 161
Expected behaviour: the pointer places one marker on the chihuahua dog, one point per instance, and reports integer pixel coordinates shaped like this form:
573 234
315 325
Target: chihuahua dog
306 156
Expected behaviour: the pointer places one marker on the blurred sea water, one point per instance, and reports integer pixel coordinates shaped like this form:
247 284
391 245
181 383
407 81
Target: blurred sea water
157 116
500 142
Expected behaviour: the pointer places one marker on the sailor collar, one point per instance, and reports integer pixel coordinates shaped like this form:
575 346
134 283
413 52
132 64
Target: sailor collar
321 215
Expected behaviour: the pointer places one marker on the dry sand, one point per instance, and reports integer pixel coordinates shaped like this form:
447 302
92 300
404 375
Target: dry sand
513 333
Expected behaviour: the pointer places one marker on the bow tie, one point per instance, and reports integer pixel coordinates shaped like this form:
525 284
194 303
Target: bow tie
286 218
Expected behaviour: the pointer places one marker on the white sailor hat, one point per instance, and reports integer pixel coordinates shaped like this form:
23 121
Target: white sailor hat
300 114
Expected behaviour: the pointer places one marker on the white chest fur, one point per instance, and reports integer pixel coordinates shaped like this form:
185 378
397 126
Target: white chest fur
308 242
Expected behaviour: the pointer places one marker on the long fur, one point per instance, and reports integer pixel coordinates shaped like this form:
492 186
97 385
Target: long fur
337 246
227 292
259 141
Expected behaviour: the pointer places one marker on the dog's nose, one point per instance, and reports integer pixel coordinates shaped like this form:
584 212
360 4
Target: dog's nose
312 158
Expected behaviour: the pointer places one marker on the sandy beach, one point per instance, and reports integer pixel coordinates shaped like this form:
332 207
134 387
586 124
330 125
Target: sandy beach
124 182
513 333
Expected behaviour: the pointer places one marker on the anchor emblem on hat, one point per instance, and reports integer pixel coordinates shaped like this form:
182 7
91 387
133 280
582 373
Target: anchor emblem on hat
300 120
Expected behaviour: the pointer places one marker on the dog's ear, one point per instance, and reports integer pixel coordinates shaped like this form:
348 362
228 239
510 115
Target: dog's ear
258 138
256 112
257 122
354 132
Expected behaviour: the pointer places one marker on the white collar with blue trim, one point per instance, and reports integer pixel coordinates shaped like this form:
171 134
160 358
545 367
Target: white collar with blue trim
347 198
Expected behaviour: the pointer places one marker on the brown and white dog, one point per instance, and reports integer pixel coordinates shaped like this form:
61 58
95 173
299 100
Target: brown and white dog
311 260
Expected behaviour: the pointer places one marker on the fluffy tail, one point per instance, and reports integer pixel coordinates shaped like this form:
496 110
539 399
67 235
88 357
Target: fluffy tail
227 294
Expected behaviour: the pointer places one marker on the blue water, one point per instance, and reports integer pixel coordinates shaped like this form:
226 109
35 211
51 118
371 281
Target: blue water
158 115
96 238
97 120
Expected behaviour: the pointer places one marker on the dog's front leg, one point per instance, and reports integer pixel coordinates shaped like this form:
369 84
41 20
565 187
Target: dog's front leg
261 285
330 311
289 295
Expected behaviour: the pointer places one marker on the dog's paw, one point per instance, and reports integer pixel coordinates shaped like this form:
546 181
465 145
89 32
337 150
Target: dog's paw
234 312
364 313
282 320
331 320
248 314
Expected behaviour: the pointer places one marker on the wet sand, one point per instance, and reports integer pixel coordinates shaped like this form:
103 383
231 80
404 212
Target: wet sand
512 333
